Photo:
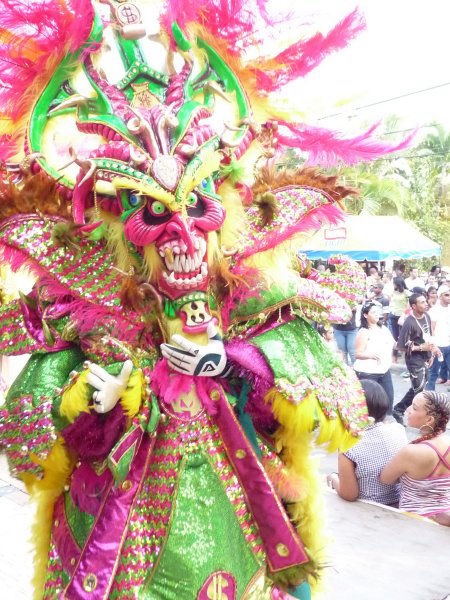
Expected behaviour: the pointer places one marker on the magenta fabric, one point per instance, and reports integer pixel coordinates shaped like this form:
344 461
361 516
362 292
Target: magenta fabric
93 436
68 549
274 525
169 385
104 543
32 318
88 489
249 363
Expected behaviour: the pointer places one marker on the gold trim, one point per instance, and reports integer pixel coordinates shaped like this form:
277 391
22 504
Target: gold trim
259 573
90 582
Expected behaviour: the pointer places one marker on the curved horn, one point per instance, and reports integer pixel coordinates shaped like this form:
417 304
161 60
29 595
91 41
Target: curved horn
136 155
139 126
216 89
76 100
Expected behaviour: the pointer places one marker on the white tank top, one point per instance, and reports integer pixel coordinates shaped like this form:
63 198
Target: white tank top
381 342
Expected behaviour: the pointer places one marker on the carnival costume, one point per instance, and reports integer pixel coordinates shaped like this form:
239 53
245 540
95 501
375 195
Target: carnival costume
164 421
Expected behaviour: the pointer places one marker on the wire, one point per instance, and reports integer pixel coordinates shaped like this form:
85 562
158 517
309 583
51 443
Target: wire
434 87
422 156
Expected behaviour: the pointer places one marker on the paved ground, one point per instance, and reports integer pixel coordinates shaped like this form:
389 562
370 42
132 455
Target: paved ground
374 554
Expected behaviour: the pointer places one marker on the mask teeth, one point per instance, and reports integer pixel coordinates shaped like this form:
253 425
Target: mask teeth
169 255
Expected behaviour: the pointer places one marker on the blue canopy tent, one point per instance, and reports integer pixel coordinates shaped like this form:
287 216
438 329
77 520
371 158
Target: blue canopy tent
368 237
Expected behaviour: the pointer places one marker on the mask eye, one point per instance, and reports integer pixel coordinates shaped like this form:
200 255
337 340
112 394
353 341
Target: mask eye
157 208
192 200
133 200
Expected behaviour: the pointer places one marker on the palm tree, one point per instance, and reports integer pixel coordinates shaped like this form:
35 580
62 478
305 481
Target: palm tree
380 194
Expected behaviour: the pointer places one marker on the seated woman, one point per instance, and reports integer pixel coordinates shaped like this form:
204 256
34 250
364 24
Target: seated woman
360 467
423 467
373 350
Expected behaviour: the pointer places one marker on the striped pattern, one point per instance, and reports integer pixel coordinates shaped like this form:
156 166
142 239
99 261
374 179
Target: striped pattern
15 338
57 578
425 497
89 273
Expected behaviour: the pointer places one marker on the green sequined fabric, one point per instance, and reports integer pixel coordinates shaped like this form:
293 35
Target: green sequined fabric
80 523
296 350
302 364
191 517
204 537
264 299
44 373
15 338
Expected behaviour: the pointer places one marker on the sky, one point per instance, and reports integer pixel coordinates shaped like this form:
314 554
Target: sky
405 48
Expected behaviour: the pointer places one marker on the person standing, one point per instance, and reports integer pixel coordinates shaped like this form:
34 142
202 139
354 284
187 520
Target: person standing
440 329
345 336
373 350
431 296
397 306
381 299
388 281
414 280
415 340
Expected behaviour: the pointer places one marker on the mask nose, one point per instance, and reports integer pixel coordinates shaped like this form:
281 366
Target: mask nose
178 228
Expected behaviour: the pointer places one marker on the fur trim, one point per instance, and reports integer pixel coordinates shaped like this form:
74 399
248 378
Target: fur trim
269 178
35 193
267 205
134 394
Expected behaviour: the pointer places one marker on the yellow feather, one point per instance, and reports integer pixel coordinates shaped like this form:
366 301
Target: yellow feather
294 441
134 394
153 264
75 399
57 469
302 418
235 223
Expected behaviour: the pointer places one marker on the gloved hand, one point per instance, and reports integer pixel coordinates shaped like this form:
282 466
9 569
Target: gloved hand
109 388
192 359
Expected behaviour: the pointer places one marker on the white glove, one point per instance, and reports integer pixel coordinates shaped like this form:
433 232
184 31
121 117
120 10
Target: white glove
109 388
192 359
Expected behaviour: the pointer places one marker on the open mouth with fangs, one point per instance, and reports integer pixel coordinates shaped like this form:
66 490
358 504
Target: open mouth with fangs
184 272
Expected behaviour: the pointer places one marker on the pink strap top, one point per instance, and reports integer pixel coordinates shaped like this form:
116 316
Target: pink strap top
428 496
442 458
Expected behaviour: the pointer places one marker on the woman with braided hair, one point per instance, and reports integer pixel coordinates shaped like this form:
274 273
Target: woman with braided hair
423 467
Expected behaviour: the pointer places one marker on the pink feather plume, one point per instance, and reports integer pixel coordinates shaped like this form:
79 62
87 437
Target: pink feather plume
303 56
34 32
327 147
230 20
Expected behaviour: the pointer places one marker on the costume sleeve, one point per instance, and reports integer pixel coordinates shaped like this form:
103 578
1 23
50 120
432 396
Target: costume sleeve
29 420
298 383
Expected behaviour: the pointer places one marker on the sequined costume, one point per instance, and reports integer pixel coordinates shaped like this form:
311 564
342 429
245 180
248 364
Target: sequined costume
146 200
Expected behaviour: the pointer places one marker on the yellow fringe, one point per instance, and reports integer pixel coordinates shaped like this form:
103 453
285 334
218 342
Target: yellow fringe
307 514
57 469
294 441
132 397
153 264
302 418
235 224
75 399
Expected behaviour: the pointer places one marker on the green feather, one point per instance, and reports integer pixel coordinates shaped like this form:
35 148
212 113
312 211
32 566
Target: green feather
234 171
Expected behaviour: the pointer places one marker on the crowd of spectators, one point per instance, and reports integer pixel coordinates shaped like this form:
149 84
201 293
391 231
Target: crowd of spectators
403 316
